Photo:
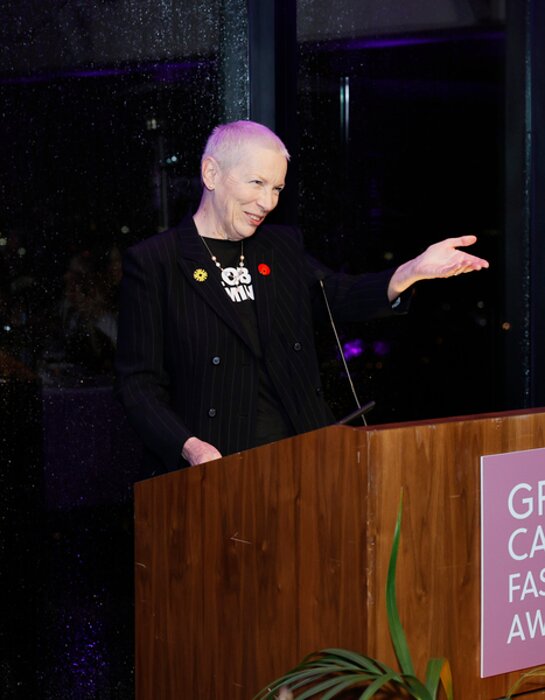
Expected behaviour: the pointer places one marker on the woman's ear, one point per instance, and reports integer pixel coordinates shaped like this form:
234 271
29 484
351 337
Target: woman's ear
209 172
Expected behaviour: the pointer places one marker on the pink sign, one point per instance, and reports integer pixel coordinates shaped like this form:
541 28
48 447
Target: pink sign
512 561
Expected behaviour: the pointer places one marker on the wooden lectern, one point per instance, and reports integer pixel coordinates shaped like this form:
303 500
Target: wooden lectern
247 564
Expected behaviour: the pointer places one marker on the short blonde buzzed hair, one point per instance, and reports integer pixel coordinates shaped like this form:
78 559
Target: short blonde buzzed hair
227 142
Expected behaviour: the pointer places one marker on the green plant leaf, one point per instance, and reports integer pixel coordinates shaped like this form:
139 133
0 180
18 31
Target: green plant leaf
301 677
416 688
333 683
317 666
301 682
379 683
293 679
296 678
397 633
433 675
359 661
344 685
438 673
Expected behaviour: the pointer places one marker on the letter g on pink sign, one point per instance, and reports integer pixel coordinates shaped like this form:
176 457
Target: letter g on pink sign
522 506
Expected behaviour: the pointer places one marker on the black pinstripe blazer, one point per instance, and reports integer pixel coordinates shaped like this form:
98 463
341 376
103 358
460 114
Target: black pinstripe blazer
184 364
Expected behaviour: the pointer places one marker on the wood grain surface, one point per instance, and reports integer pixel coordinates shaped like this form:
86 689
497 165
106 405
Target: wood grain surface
438 467
247 564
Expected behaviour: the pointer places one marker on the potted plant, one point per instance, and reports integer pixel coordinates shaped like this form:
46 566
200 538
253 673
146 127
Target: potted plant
340 673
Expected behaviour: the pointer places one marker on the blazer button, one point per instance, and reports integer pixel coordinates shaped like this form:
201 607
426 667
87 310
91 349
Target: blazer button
297 346
216 360
212 412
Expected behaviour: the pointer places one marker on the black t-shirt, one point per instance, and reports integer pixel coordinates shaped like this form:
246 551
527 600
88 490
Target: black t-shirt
272 421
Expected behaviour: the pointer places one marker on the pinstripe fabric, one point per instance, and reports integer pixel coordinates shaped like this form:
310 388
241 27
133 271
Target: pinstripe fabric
184 366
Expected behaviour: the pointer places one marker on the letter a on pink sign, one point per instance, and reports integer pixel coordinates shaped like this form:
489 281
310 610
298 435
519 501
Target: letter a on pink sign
512 561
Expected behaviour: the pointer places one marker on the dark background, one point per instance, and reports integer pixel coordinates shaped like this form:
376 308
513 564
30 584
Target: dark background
407 123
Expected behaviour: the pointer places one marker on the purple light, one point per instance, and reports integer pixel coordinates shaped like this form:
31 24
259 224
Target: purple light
353 348
381 348
162 72
385 42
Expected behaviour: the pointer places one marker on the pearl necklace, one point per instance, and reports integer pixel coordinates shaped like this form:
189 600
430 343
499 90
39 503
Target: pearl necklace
216 261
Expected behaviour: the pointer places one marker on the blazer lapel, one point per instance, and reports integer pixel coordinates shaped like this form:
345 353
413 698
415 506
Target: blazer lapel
203 277
261 262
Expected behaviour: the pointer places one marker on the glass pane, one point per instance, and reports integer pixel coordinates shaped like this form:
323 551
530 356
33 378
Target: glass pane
104 112
105 107
400 113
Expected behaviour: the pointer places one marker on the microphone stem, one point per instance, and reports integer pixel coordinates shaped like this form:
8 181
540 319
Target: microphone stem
345 365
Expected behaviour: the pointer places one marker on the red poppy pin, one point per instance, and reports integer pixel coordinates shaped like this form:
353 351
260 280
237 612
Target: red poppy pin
263 269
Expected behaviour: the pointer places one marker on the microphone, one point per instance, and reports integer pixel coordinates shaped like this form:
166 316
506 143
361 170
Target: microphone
361 410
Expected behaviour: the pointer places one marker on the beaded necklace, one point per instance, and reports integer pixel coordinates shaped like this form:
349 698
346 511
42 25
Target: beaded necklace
215 259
